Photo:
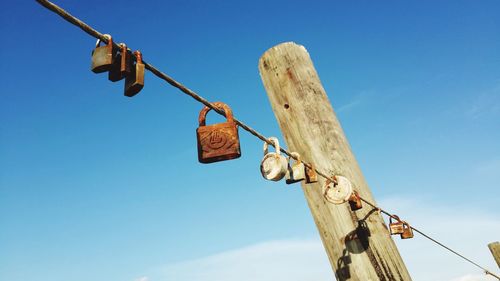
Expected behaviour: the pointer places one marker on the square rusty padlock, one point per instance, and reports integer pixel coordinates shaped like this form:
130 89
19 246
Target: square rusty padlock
355 201
102 56
396 227
134 82
122 64
311 176
407 231
217 142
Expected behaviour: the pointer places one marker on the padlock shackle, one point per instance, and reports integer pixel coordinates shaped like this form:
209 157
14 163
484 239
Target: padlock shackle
395 217
138 56
276 143
329 181
123 48
355 196
110 40
227 110
296 155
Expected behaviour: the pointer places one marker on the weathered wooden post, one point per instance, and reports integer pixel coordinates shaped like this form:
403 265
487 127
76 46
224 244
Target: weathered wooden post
495 251
358 243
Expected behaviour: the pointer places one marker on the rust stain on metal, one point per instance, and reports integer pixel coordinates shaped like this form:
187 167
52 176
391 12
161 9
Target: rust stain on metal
102 56
355 201
122 64
134 82
217 142
396 227
407 231
311 175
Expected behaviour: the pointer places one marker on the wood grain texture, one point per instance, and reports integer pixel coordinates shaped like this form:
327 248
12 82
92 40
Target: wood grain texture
495 251
358 243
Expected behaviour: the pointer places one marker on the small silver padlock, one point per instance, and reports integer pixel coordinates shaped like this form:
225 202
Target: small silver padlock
274 165
296 172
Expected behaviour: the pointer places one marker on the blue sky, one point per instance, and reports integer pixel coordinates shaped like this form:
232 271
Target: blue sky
97 186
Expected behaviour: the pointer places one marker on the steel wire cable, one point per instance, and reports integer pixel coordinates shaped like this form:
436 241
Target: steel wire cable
94 33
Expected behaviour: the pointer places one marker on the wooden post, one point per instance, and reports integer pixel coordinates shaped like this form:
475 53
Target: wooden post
495 251
358 243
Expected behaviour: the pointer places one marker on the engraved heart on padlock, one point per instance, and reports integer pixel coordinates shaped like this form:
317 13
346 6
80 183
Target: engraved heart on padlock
217 139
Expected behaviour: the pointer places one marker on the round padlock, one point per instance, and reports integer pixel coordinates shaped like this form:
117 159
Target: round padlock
339 192
274 165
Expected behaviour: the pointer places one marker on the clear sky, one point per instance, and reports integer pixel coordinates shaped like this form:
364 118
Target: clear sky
97 186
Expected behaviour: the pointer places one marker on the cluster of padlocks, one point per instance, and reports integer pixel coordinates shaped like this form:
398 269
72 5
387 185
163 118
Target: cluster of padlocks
119 65
400 227
219 142
274 166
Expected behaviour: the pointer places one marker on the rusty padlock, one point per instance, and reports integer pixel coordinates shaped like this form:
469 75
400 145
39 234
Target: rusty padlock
396 227
102 56
355 201
407 231
274 165
296 172
121 66
311 176
134 82
217 142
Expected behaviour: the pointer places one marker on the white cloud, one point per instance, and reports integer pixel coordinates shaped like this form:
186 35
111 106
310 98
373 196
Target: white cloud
459 227
143 278
357 100
291 260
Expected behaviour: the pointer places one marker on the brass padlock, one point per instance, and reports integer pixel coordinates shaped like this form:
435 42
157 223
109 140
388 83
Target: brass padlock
355 201
396 227
407 231
295 172
217 142
102 56
121 66
134 82
311 176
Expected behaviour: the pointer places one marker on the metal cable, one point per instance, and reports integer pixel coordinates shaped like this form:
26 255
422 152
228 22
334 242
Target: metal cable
94 33
486 271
